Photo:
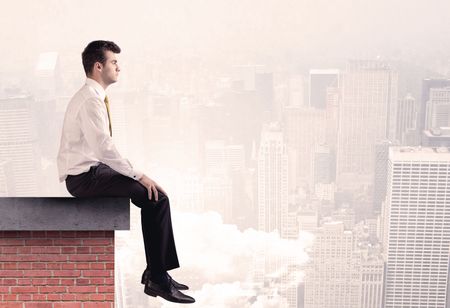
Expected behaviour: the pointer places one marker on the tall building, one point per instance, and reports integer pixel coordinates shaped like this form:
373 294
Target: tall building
438 108
406 120
436 137
18 144
427 85
417 227
333 278
272 181
319 82
380 173
304 130
372 277
367 114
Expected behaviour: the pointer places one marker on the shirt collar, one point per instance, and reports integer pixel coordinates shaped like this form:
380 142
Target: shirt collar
97 87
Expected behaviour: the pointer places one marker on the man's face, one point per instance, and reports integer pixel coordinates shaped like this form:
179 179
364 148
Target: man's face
110 70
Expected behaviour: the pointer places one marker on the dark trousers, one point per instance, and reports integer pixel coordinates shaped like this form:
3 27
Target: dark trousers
159 243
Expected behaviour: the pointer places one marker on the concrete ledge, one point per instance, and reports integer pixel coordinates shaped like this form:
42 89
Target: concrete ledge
62 213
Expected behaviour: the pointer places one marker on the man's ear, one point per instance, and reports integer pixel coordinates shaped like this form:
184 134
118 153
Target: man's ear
98 66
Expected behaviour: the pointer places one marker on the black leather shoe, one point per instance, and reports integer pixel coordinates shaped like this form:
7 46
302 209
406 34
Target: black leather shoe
179 286
168 292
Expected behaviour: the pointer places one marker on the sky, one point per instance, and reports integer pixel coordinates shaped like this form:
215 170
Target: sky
308 28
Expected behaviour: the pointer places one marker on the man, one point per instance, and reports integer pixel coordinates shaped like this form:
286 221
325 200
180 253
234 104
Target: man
92 167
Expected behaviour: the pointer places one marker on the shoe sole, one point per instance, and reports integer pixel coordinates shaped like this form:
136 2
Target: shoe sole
152 293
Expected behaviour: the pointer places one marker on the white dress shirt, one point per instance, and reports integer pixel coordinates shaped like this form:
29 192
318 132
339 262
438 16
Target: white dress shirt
85 139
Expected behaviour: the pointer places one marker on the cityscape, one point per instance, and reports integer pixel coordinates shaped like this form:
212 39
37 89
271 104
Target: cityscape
296 179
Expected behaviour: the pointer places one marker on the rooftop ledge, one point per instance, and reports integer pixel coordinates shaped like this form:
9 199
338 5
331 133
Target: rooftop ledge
64 213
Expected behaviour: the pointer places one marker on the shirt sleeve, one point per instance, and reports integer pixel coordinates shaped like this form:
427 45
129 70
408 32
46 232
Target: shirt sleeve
93 126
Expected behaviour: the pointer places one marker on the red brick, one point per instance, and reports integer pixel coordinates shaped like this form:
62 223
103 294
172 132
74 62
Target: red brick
109 281
26 289
68 266
67 273
68 297
24 250
11 305
54 266
68 234
35 234
97 281
38 305
97 297
68 249
24 297
82 289
97 242
8 282
4 290
38 265
39 242
53 297
105 289
39 297
11 273
97 273
67 305
82 258
81 296
98 305
9 249
11 242
52 289
10 297
24 282
67 242
54 234
53 281
97 266
81 266
83 249
83 281
10 266
109 265
67 282
109 297
97 234
38 273
44 249
98 249
105 257
24 265
52 258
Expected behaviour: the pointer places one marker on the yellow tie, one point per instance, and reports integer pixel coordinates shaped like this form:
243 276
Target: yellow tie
109 117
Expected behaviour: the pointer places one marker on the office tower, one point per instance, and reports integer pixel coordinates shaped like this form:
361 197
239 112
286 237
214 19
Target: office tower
427 85
367 114
416 238
319 82
438 108
333 278
305 128
436 137
380 173
372 276
272 181
221 158
6 179
18 144
406 120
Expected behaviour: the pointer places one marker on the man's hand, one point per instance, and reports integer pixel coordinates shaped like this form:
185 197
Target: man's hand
152 187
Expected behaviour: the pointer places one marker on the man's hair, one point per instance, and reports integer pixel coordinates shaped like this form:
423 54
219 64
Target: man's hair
95 52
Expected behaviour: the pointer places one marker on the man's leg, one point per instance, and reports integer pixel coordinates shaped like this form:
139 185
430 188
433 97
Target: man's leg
159 243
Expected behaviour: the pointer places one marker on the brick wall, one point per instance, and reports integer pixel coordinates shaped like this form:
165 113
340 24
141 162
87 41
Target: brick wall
53 269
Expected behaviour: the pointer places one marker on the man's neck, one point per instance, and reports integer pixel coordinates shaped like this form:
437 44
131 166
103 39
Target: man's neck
100 81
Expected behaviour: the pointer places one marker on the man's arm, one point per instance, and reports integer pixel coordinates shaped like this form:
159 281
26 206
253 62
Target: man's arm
93 127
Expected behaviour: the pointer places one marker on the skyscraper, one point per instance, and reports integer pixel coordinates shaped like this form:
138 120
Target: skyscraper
428 84
417 227
272 181
367 114
406 120
438 108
